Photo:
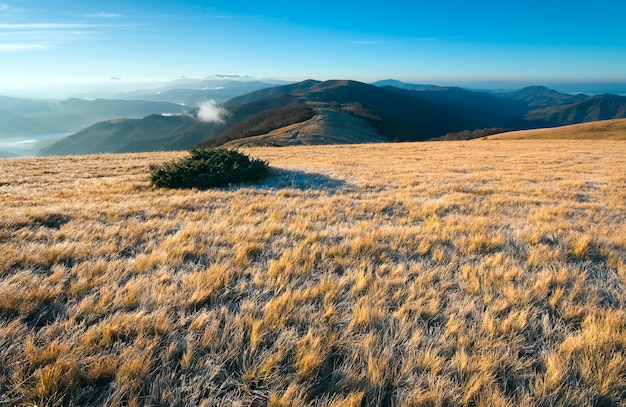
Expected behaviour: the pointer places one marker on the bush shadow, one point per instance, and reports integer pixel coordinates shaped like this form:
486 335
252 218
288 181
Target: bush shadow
281 178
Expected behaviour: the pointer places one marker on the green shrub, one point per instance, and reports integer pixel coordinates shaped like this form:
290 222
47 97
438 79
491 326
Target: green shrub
209 168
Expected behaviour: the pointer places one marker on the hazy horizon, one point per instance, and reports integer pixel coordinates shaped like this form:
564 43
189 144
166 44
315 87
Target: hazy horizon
71 47
95 90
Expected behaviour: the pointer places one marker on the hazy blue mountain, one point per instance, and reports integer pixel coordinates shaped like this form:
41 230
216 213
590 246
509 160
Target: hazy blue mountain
529 107
591 88
404 85
485 109
194 93
540 96
151 133
6 154
15 125
26 117
593 108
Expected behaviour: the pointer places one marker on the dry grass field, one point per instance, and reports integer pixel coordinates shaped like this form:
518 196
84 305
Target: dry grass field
482 273
599 130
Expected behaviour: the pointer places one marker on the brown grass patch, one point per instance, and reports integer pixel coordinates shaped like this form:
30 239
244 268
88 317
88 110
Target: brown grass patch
599 130
451 273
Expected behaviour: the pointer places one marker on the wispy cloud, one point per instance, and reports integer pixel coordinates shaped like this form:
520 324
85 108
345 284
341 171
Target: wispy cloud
38 36
47 26
103 14
12 47
4 6
214 16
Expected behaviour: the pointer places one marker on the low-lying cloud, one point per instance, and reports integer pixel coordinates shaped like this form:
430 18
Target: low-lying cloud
210 112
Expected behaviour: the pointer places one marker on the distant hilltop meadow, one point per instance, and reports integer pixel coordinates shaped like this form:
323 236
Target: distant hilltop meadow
228 112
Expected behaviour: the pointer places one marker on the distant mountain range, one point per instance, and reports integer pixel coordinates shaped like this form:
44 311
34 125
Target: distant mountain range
6 154
192 93
27 117
158 132
308 112
540 96
151 133
589 109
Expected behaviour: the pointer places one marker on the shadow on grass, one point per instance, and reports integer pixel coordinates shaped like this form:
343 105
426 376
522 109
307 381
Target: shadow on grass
282 178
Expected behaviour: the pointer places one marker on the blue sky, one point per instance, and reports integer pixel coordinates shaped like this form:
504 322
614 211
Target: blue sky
58 42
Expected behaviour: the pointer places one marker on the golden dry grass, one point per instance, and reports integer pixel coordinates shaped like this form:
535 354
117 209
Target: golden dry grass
598 130
432 274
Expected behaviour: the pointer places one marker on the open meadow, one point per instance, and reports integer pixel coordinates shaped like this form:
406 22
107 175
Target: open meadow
478 273
594 130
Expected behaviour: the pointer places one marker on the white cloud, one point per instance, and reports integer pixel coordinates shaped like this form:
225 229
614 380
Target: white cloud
36 36
10 47
211 113
4 6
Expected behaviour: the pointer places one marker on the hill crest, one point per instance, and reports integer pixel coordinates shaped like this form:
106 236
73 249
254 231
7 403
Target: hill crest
598 130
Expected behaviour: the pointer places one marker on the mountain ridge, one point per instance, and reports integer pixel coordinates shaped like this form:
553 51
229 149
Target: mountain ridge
194 93
26 117
406 113
593 108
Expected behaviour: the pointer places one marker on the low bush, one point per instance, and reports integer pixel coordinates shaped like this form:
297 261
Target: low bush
209 168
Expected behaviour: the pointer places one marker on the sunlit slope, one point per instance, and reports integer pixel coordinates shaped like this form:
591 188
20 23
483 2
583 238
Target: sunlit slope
600 130
326 127
407 274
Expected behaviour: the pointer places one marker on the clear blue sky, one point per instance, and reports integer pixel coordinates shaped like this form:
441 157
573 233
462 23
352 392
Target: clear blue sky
45 42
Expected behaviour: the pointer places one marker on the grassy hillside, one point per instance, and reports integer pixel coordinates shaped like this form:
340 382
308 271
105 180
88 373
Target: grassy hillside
593 108
600 130
262 123
394 114
326 127
430 274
